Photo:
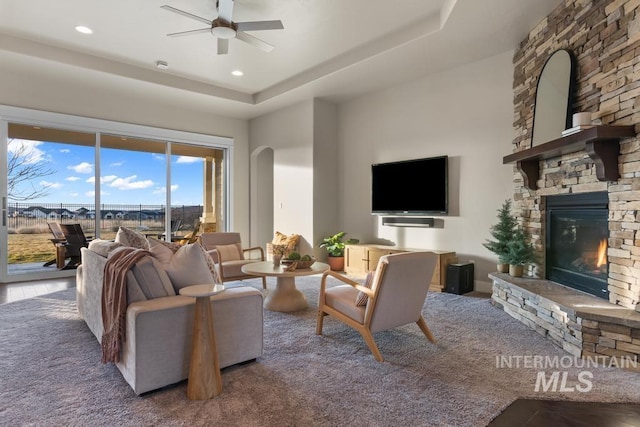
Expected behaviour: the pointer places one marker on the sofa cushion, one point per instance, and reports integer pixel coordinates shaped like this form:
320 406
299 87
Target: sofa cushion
129 237
103 247
231 252
163 251
189 266
152 279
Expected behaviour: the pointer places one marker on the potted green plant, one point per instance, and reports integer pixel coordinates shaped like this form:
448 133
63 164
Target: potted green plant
519 252
335 249
502 233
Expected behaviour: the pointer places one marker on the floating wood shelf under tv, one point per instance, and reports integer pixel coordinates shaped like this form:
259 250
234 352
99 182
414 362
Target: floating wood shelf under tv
602 144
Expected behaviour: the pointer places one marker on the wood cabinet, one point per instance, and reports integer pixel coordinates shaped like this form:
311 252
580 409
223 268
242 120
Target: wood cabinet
359 259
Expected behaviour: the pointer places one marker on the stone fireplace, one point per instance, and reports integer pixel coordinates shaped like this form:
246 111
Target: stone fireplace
558 298
576 242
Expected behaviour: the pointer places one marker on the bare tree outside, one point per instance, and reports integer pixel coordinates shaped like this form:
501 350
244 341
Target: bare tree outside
26 168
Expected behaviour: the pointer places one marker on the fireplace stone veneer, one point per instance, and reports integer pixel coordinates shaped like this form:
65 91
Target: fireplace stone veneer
581 324
605 38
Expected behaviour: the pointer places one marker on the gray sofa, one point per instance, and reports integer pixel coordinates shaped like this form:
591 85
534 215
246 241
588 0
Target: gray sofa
157 349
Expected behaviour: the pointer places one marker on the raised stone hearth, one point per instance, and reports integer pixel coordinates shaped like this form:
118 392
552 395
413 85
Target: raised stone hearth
583 325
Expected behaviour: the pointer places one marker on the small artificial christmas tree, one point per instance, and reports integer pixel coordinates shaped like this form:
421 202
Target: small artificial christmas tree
502 232
520 252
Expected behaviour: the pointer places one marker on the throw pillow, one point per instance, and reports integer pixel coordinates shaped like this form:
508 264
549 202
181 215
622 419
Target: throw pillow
163 251
129 237
189 266
289 242
103 247
230 252
362 298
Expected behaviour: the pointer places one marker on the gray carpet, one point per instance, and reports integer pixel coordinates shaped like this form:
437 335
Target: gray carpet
50 372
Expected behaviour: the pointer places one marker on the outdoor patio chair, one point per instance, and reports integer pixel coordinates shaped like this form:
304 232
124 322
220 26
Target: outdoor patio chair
75 239
398 290
59 243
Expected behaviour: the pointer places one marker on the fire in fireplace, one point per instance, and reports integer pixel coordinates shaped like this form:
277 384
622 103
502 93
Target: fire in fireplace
577 231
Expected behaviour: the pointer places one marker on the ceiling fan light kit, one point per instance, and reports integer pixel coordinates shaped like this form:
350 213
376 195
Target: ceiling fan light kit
224 29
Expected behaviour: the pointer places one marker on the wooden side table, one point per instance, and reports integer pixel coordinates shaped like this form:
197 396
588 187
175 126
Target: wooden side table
204 381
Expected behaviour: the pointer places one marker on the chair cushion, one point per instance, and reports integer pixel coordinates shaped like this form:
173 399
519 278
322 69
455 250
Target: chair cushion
129 237
362 298
342 298
230 252
188 266
234 268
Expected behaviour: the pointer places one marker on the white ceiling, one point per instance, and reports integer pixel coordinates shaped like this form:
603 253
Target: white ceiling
332 49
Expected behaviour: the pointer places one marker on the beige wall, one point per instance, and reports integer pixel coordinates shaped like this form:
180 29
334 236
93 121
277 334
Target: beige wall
63 89
465 113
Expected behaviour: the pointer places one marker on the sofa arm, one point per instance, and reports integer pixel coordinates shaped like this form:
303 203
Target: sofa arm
157 348
89 290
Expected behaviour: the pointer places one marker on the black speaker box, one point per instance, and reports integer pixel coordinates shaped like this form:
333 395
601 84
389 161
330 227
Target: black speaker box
459 278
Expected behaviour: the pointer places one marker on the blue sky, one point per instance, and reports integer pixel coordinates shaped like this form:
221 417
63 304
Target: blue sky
127 177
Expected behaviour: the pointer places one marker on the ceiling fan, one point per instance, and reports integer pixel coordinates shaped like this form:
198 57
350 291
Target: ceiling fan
223 27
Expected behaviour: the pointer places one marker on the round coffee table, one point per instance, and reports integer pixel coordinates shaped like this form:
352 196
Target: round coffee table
285 297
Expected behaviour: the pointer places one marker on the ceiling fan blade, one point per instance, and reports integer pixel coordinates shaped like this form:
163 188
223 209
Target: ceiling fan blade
190 32
254 41
187 14
225 10
260 25
223 46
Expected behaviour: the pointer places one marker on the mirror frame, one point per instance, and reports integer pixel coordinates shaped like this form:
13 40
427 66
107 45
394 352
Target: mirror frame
570 95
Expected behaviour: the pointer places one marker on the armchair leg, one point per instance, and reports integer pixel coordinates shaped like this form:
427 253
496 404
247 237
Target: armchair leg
319 322
368 338
425 329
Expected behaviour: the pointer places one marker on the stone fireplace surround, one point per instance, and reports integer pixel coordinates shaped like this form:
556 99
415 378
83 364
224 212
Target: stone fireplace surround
605 38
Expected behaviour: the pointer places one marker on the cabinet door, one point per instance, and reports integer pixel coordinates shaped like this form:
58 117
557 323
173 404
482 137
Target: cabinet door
375 254
355 260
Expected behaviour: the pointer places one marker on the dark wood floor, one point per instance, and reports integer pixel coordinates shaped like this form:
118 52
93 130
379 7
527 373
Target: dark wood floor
521 413
547 413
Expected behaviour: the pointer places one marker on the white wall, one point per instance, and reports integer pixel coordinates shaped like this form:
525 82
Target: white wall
59 88
465 113
289 132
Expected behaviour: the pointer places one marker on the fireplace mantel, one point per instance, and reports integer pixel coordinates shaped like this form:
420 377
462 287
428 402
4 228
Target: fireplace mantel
602 144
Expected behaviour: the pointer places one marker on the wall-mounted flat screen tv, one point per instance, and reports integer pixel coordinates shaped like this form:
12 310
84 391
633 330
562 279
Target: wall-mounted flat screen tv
410 187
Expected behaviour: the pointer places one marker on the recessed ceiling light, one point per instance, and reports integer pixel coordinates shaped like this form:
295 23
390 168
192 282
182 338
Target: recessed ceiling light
237 73
84 30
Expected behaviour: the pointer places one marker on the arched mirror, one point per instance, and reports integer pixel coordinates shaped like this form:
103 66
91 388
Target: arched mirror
554 98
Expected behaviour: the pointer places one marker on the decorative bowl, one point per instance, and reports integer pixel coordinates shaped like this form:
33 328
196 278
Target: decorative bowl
300 264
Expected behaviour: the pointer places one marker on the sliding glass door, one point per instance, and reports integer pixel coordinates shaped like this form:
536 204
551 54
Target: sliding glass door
102 175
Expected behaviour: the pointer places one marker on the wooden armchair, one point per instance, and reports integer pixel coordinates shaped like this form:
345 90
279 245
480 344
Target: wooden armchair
398 290
229 256
74 241
58 241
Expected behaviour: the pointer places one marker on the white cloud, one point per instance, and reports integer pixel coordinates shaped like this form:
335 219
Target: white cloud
83 167
117 163
65 150
103 180
48 184
163 190
72 178
185 159
130 183
73 194
158 156
27 149
90 193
